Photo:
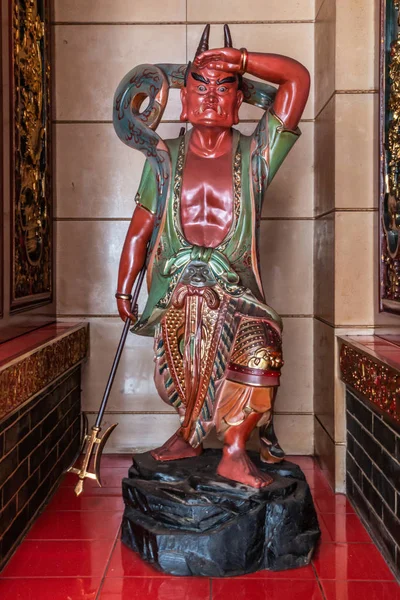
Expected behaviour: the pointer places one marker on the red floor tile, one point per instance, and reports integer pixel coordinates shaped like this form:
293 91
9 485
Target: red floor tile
351 561
110 477
361 590
126 563
304 462
300 573
325 535
273 589
328 502
345 528
317 481
74 538
61 558
54 588
79 525
96 499
160 588
116 460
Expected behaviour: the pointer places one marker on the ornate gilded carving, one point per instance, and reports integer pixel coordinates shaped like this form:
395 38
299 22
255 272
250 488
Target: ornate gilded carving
32 373
1 178
31 168
374 380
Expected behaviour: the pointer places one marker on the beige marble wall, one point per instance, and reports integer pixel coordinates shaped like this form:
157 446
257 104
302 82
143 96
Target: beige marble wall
96 42
346 204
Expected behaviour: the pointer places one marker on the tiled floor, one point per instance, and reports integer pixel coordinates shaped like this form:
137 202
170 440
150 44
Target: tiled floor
73 552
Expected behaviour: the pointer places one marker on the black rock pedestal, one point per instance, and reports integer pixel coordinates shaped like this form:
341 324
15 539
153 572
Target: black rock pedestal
186 520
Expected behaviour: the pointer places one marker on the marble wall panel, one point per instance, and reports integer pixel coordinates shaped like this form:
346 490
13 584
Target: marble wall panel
228 11
356 151
91 60
118 11
97 178
324 375
137 432
355 258
88 255
291 194
324 267
340 399
325 54
286 251
97 175
318 6
295 433
133 388
324 164
340 468
296 390
144 432
357 35
292 39
325 451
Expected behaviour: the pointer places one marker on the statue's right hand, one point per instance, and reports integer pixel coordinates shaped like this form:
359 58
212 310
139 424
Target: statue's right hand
124 309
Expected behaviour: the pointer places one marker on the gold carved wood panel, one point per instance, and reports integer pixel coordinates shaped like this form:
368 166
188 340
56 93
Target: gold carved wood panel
31 189
1 178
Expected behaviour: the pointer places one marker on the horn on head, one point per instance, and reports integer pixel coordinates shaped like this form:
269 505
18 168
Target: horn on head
227 37
203 45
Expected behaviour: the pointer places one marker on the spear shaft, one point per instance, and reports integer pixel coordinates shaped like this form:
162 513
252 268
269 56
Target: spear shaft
92 441
118 353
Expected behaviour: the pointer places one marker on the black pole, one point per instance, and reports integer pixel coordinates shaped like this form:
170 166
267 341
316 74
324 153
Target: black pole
118 353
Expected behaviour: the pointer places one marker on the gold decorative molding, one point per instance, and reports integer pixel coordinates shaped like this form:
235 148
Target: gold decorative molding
31 373
31 235
374 380
389 140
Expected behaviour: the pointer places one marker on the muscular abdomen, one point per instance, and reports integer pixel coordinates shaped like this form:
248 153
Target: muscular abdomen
207 199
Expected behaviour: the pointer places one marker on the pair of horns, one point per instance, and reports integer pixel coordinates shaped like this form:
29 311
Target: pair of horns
204 40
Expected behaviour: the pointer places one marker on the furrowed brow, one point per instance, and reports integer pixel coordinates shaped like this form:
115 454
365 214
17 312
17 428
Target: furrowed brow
231 79
199 77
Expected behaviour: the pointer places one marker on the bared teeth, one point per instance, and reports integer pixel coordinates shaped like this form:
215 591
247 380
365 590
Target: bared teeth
201 109
219 109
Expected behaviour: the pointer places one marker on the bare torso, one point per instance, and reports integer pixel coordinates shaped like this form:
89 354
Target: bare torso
207 199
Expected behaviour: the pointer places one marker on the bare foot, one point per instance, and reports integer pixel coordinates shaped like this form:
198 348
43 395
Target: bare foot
236 465
174 448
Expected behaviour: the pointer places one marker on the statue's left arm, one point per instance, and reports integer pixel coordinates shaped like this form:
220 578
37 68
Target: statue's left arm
291 76
293 80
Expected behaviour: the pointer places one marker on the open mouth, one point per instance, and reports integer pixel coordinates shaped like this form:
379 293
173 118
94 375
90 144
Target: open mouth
216 109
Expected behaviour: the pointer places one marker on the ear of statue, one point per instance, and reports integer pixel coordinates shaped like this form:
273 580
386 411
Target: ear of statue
239 100
184 115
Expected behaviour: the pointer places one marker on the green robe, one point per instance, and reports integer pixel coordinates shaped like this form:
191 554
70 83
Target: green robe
235 262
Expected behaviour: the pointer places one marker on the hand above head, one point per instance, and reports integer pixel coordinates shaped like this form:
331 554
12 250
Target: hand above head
124 310
222 59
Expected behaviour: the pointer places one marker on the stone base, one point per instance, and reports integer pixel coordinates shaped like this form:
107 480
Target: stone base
185 519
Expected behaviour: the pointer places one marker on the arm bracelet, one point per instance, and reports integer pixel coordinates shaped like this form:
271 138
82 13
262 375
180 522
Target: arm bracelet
120 296
244 60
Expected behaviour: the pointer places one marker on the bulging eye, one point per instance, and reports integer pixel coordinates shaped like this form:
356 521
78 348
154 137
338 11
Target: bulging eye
202 88
222 89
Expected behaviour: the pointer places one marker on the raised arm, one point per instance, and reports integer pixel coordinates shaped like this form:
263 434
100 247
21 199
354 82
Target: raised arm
133 256
293 79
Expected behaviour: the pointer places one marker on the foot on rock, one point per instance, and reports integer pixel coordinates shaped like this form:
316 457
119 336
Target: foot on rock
175 448
238 467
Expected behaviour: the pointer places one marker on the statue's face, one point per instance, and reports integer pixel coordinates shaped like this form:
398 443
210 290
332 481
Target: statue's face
211 98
